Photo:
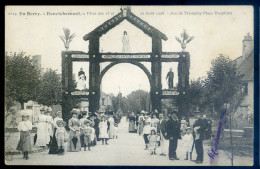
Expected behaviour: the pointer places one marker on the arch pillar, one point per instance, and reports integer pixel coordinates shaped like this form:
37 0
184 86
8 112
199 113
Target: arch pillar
156 88
94 74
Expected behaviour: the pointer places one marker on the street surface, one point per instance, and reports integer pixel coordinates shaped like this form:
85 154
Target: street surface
128 149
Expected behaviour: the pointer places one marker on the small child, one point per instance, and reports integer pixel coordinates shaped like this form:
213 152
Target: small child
60 136
25 126
146 132
184 124
87 131
153 141
116 130
187 141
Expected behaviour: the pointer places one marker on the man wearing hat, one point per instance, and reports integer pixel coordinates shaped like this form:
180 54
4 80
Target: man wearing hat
25 126
173 134
60 136
170 76
199 129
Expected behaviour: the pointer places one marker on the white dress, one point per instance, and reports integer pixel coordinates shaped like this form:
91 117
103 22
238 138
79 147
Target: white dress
42 131
103 129
187 140
111 131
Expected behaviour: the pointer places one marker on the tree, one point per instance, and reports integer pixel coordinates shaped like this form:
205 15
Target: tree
123 103
21 78
138 100
50 90
223 82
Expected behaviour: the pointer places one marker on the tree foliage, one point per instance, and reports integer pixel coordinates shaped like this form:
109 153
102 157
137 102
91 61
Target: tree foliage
21 78
50 90
138 100
223 81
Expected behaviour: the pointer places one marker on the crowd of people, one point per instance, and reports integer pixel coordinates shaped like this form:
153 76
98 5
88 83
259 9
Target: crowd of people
156 128
84 131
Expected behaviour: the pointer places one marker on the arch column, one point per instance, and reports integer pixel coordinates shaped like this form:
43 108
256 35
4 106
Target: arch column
156 88
94 74
183 83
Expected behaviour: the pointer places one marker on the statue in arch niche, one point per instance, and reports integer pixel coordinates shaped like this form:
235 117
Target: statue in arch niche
125 41
81 83
170 76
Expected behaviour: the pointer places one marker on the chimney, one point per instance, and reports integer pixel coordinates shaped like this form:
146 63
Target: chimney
248 45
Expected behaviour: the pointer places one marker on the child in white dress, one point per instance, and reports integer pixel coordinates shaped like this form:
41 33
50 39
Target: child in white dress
153 141
187 139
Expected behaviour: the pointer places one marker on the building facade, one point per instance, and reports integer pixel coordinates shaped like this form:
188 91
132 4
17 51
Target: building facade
244 116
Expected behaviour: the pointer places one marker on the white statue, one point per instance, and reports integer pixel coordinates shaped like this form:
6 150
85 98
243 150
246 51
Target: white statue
81 84
125 40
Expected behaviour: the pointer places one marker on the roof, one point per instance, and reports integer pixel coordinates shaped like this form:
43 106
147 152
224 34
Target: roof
246 67
130 17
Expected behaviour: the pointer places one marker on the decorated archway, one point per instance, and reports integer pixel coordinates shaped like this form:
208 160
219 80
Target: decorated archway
94 57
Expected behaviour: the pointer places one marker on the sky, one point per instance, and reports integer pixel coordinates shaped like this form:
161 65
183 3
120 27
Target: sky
217 30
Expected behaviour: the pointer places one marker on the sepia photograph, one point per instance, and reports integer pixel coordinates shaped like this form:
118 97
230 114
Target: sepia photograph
129 85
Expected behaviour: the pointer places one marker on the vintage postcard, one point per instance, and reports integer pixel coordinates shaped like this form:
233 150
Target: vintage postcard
129 85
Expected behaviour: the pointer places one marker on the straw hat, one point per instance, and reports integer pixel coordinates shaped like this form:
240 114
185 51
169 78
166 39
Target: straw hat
58 112
87 121
49 109
61 121
75 111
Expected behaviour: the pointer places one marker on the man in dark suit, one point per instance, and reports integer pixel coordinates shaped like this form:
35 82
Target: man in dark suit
173 134
170 76
161 130
199 134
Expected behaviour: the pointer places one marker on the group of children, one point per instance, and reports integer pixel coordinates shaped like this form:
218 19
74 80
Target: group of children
152 137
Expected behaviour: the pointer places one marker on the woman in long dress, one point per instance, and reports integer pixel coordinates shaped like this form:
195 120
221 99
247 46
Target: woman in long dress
42 130
103 135
126 46
74 134
24 144
131 123
49 126
111 131
53 145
